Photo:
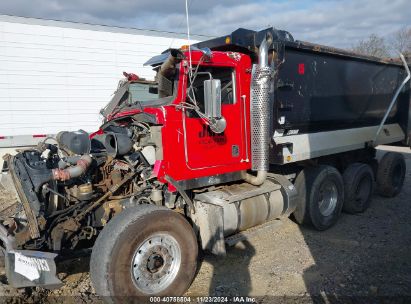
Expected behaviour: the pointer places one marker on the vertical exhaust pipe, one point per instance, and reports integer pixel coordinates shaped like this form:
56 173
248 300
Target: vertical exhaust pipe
259 115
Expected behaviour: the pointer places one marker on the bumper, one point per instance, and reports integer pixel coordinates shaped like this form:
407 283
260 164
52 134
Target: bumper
25 268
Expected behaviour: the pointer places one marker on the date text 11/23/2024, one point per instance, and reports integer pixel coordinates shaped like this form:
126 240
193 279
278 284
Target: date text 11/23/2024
204 299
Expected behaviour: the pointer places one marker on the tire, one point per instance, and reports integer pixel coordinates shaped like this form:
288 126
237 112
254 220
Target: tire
373 163
140 238
2 259
358 187
312 184
391 174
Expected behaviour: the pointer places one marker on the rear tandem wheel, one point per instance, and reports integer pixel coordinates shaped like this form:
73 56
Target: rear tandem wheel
321 196
358 187
391 174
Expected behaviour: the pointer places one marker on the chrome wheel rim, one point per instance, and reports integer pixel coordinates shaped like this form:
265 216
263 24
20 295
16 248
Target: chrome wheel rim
156 263
328 196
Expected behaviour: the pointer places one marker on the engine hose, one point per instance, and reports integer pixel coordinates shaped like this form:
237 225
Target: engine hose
72 172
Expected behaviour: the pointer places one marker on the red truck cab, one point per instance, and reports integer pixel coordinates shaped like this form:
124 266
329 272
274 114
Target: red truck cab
190 149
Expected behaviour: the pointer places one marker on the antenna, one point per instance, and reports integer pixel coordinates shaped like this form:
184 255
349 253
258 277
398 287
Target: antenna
188 40
180 24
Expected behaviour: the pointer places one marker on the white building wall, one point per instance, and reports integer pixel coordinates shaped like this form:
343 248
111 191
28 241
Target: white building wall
57 76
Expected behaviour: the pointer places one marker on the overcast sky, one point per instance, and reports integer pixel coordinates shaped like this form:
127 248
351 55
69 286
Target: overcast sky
335 23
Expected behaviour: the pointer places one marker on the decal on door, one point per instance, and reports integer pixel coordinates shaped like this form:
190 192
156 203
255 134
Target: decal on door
210 139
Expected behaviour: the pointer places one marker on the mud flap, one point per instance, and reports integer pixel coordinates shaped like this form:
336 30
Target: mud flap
25 268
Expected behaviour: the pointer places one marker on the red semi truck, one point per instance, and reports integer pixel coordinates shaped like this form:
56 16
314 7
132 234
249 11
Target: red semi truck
233 132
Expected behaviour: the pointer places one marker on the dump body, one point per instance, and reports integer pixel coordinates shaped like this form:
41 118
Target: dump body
321 89
321 94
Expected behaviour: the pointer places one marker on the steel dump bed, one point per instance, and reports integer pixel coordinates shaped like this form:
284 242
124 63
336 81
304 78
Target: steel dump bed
319 89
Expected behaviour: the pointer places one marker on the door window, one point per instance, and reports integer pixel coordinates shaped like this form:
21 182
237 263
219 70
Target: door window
195 88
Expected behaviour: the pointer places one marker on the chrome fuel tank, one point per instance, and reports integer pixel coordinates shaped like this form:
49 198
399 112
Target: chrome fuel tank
230 209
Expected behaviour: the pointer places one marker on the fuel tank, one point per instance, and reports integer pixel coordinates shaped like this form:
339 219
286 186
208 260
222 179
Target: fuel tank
230 209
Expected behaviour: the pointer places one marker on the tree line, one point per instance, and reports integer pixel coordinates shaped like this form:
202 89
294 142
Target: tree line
378 46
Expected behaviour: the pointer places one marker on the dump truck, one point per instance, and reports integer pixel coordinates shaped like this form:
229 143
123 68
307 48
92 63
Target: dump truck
233 132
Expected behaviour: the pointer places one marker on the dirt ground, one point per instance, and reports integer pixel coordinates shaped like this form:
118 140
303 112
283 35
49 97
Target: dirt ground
363 255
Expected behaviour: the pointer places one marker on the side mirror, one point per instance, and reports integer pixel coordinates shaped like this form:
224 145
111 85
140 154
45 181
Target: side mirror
212 98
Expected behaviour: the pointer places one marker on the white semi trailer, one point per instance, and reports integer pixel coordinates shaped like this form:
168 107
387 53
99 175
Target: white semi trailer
55 75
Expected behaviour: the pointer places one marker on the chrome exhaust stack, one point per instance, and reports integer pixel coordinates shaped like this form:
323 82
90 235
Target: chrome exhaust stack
260 115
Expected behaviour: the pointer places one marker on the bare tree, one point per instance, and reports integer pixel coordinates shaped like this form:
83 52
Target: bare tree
372 46
401 41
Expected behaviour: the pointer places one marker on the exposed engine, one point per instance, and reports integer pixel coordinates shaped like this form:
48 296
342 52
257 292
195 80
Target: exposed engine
70 186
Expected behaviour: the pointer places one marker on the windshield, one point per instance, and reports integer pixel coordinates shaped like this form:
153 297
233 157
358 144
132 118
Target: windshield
142 92
138 94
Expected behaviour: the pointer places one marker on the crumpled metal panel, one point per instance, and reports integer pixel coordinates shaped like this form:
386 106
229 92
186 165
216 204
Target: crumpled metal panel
25 268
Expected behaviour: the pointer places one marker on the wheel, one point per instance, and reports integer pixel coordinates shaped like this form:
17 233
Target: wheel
321 196
144 251
358 187
373 163
391 174
2 258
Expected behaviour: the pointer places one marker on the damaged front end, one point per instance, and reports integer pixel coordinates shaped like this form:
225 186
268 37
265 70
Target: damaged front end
67 189
19 224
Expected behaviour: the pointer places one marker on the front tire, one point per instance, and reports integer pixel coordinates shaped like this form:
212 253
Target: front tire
144 251
321 196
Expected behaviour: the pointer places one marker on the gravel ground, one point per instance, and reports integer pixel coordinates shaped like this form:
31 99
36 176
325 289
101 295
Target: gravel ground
363 255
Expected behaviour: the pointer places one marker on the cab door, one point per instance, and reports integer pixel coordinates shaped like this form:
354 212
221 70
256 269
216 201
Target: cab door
203 147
